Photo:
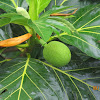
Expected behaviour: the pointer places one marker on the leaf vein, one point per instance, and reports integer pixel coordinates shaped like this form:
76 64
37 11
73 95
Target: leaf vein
36 86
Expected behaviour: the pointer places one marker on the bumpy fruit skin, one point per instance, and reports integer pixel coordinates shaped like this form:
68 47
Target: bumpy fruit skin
57 53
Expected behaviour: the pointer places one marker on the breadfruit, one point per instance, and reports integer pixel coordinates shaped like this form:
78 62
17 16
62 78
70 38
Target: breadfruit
56 53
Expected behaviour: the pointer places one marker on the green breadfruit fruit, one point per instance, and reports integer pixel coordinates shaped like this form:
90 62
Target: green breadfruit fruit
57 53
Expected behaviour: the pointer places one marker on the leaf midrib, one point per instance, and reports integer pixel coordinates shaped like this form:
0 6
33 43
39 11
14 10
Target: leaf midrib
23 75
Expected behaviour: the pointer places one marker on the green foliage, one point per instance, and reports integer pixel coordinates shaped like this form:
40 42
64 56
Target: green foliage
4 21
55 9
41 28
5 4
12 18
26 77
36 7
29 78
88 28
45 25
25 71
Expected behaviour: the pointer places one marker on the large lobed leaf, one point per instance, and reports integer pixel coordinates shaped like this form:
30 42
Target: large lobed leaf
59 85
28 80
87 24
86 21
40 4
46 25
55 9
5 4
36 7
5 32
15 18
32 79
8 5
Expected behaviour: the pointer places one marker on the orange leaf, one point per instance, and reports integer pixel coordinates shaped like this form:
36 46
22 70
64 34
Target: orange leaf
15 41
60 14
38 36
